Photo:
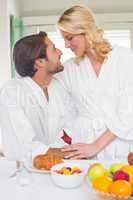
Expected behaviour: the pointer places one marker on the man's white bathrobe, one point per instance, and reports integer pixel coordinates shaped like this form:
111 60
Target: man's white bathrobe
27 120
103 102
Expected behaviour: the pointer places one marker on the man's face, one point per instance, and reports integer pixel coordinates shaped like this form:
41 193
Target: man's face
53 63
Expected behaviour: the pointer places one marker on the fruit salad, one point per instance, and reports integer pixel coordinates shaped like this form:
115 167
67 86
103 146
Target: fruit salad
69 170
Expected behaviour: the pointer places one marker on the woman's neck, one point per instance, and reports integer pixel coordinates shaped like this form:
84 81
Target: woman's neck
91 54
94 61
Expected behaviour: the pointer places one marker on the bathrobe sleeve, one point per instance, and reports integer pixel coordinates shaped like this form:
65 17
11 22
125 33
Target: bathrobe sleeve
119 107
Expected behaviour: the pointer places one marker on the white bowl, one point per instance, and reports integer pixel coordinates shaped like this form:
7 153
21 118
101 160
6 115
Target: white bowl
68 181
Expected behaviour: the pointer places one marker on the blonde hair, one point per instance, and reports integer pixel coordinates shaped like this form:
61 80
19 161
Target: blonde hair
80 20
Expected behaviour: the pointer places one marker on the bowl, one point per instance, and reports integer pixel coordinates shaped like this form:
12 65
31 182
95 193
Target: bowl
71 180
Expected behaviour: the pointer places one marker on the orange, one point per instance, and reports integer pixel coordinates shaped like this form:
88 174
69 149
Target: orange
128 169
102 183
120 188
131 179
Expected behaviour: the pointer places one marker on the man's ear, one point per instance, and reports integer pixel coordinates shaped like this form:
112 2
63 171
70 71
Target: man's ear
39 63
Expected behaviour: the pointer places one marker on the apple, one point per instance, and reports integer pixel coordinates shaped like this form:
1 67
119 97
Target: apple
115 167
95 171
120 175
130 158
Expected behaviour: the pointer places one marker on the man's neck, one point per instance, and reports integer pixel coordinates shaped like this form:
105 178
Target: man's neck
42 81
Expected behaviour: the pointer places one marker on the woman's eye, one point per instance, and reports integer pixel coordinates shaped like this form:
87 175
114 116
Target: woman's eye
70 38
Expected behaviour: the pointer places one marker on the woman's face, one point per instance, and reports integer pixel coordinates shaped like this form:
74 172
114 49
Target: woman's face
77 43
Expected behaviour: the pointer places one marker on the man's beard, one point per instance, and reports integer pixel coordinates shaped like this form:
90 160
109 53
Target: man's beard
60 68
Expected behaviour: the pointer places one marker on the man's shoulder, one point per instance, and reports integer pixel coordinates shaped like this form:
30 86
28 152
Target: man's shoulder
11 88
11 83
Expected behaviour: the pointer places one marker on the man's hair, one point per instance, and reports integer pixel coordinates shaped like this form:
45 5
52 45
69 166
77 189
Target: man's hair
26 51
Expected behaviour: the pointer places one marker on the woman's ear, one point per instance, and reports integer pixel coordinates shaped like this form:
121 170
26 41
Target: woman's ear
39 63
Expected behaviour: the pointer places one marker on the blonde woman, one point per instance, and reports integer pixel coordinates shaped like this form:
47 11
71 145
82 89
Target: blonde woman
100 82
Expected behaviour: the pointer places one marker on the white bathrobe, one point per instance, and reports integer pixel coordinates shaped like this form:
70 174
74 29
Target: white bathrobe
103 102
28 121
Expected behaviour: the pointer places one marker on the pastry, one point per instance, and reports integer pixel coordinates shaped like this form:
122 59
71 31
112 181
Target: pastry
46 161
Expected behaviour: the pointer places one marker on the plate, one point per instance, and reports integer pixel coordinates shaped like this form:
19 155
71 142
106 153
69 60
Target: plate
31 168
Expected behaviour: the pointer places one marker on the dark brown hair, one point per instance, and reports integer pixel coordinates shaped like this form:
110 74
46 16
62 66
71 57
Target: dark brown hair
26 50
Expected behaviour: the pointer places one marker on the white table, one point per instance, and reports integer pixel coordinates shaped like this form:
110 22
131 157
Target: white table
41 188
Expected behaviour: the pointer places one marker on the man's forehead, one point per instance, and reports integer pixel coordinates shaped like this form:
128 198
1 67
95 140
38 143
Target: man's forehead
48 42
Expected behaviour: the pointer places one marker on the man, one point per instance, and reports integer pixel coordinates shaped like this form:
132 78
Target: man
32 107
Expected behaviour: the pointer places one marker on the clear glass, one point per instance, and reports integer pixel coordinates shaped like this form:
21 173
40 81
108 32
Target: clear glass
23 176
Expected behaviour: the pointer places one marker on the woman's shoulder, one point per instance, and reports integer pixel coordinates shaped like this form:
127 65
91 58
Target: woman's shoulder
124 61
123 51
123 57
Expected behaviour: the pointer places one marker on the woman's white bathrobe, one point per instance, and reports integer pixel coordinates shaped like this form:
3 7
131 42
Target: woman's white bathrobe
27 120
103 102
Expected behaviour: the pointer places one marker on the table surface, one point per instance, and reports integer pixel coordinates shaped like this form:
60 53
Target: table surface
41 187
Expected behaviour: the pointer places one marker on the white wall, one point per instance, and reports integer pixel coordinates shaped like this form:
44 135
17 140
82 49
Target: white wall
4 42
14 7
7 7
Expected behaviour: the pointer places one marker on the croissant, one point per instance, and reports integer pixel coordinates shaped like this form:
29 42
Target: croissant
46 161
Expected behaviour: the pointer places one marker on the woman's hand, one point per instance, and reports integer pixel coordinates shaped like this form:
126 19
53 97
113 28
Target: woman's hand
80 151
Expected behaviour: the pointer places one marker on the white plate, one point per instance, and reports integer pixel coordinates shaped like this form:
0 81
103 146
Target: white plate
87 163
31 168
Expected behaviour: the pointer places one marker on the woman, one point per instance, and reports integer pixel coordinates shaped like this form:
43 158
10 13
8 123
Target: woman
99 81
